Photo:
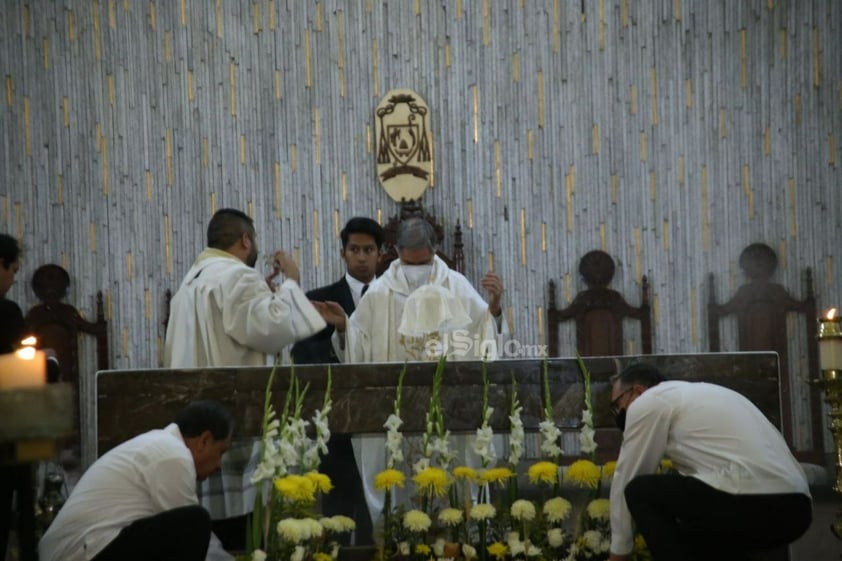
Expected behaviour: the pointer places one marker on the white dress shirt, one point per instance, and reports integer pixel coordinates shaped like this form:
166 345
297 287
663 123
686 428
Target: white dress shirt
356 287
147 475
709 432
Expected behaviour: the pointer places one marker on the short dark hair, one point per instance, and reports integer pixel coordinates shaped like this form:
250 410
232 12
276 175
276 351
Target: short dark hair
227 226
206 415
642 373
9 250
362 225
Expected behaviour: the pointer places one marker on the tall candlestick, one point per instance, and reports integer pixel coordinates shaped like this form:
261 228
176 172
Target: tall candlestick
830 341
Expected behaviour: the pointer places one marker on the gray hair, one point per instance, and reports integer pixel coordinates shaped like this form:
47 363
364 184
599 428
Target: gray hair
416 233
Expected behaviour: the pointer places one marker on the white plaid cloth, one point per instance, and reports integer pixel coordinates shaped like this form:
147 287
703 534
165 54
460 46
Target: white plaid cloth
229 492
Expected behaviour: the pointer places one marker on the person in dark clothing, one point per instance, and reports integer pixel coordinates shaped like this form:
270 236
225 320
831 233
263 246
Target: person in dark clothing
14 478
362 239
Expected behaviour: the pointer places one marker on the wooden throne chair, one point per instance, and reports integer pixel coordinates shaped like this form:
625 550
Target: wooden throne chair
599 311
761 308
413 209
59 326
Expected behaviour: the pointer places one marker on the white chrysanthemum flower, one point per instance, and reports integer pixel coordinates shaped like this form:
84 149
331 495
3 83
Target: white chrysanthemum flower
483 511
512 537
346 524
532 550
555 537
523 510
469 551
516 548
330 525
416 521
258 555
557 509
592 540
290 530
298 554
450 517
403 548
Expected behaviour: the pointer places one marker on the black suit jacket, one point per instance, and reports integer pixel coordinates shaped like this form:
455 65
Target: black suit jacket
318 349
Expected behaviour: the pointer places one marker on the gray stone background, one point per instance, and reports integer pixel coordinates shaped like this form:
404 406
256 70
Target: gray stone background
669 133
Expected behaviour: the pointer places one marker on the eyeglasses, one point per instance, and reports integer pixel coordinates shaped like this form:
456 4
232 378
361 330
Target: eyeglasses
615 403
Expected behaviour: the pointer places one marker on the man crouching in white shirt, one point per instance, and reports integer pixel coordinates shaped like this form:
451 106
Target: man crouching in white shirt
138 501
738 488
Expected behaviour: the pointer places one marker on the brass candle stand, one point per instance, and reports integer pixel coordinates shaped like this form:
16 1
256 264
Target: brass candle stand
830 353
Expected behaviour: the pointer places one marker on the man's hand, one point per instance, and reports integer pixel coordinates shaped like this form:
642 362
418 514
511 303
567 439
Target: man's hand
332 313
494 285
283 262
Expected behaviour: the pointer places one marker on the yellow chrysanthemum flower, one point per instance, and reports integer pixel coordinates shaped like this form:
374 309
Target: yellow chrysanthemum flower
320 480
416 521
608 469
584 473
557 509
465 472
599 509
387 479
322 556
523 510
432 480
666 465
296 488
422 549
450 516
545 472
496 475
482 511
498 550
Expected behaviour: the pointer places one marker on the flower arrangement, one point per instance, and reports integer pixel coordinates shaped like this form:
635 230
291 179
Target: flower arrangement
480 514
284 524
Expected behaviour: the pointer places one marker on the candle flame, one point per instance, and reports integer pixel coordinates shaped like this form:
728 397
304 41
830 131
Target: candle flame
26 353
831 314
29 341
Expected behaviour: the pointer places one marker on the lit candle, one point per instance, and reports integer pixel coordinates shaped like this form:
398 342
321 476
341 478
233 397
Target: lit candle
830 341
24 368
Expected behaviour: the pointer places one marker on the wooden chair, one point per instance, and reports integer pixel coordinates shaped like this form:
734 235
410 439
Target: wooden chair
413 209
599 311
761 308
58 326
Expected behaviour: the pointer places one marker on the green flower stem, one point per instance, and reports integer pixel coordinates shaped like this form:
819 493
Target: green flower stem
387 520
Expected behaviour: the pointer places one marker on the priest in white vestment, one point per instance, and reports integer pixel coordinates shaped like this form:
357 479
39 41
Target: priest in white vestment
225 314
417 310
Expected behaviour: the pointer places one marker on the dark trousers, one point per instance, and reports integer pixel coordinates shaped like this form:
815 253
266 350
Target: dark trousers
683 519
181 534
347 496
18 478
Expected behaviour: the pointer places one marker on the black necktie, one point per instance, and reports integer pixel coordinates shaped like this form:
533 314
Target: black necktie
362 292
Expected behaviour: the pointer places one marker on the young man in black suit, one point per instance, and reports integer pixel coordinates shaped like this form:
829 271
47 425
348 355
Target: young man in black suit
362 239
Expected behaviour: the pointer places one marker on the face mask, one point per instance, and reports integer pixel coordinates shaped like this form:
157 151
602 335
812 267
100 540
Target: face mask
416 275
620 419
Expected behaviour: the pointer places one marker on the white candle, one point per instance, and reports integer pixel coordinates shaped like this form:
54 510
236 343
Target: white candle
830 341
25 368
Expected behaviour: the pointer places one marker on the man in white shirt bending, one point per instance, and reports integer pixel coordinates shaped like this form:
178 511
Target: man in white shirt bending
138 501
738 487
